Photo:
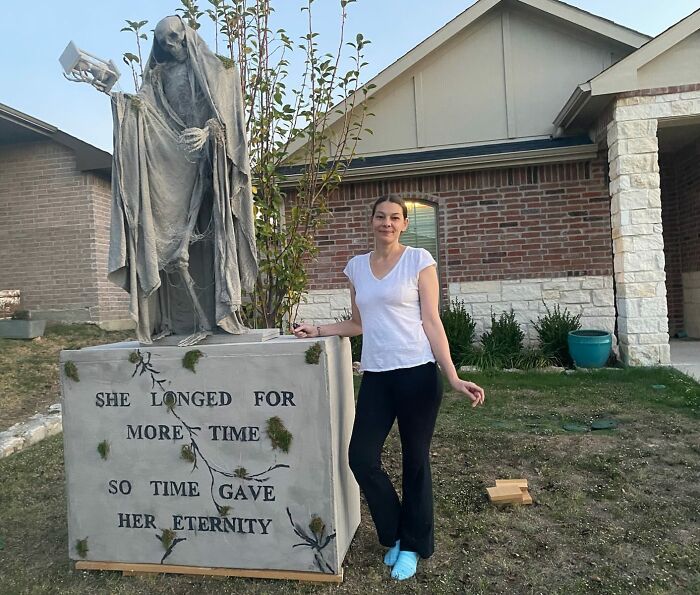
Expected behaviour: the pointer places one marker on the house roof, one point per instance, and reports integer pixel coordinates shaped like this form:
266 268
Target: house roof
17 127
554 8
590 97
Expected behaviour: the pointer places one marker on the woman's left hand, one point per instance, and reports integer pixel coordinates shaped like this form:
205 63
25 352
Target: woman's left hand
473 391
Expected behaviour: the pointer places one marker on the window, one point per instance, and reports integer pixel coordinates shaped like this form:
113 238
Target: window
422 229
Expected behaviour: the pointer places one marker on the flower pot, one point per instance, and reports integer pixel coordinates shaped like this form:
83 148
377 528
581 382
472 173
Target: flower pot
590 348
21 329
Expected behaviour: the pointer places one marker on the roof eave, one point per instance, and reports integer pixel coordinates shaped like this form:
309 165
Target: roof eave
88 157
573 106
441 166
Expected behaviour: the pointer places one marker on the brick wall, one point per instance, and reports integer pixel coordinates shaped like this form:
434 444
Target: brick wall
51 232
112 300
680 192
517 223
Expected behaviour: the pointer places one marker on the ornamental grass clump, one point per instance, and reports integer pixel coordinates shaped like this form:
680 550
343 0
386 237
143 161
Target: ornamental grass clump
460 329
553 331
503 344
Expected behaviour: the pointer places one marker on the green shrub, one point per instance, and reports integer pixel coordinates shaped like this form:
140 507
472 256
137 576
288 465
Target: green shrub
553 331
460 330
503 344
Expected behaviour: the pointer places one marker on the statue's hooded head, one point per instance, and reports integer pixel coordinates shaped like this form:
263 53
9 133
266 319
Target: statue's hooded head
170 43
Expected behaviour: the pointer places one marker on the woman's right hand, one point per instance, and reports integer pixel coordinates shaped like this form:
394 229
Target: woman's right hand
305 331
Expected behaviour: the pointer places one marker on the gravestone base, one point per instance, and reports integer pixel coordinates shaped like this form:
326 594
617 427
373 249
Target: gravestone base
224 458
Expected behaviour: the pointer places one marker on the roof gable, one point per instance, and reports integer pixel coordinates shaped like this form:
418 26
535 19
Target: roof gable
670 59
467 49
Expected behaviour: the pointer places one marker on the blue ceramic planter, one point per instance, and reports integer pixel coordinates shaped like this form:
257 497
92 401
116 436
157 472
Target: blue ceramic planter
590 348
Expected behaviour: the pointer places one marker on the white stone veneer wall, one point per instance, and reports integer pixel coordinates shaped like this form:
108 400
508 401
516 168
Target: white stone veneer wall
637 229
592 297
324 306
691 303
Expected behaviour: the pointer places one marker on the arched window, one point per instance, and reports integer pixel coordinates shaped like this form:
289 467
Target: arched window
422 228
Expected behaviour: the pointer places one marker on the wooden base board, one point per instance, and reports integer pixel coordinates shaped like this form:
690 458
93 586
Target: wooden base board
137 569
521 483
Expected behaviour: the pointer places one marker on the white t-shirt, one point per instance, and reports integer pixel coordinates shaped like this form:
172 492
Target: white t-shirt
392 330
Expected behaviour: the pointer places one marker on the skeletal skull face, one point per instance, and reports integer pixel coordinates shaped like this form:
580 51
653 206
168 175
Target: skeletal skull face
170 34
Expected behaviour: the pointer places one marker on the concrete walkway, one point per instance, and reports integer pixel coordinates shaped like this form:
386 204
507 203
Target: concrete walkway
685 356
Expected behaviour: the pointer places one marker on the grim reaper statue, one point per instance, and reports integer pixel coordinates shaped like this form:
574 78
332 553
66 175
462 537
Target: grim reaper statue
182 235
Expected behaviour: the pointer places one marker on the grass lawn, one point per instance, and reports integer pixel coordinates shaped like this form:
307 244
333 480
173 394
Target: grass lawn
615 511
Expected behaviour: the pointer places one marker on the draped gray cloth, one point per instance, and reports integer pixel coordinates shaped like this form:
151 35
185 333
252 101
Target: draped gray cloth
170 208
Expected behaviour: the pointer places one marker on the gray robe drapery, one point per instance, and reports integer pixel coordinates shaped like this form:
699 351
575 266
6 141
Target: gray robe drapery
158 194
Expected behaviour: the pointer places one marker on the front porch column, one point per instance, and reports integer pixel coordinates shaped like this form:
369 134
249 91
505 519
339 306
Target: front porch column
637 233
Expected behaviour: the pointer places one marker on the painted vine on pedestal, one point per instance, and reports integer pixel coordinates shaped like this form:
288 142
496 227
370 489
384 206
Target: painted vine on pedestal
317 540
192 453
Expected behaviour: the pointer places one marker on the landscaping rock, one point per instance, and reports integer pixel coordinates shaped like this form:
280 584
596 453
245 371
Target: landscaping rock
35 429
9 444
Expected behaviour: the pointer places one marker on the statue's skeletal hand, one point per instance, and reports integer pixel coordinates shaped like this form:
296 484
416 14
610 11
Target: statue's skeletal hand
194 139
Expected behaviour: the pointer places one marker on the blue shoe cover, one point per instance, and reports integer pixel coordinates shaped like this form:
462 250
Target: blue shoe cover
405 566
392 555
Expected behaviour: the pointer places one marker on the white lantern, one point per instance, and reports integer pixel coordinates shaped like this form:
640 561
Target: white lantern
81 67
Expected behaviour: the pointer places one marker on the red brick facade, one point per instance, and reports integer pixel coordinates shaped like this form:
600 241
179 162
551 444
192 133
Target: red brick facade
54 227
515 223
680 202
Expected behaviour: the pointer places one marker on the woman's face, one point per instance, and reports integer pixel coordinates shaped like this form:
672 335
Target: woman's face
388 222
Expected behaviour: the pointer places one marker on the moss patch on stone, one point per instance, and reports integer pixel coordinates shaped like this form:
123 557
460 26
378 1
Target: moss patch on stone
279 435
167 537
317 525
169 400
190 360
71 371
103 449
313 354
81 547
187 453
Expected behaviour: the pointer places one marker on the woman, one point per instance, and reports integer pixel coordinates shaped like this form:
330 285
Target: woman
394 295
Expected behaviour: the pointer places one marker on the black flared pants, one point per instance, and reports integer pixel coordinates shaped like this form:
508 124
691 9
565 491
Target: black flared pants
412 397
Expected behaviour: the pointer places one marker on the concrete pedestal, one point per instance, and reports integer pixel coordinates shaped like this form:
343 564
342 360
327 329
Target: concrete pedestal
218 455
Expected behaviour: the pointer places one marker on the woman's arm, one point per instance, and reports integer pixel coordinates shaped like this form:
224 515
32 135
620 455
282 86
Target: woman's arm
346 328
428 290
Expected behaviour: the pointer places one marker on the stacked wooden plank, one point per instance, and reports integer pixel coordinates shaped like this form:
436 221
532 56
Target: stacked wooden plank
510 491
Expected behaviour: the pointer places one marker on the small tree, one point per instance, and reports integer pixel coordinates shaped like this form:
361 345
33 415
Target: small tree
286 223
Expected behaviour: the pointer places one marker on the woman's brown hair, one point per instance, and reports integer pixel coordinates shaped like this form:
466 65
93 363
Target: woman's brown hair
397 200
